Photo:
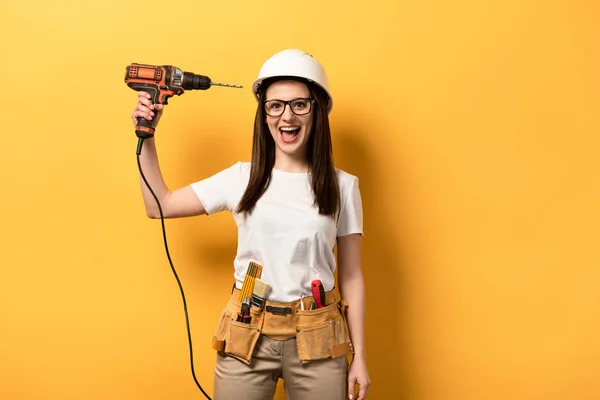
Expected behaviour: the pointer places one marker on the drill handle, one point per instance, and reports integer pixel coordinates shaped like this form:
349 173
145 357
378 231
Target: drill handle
144 129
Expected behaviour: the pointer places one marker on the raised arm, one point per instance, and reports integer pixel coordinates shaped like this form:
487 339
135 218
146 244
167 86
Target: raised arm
174 204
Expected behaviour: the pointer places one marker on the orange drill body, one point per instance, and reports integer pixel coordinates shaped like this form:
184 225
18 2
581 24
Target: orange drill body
153 79
162 83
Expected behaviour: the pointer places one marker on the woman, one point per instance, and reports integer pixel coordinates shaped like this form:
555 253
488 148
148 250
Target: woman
291 206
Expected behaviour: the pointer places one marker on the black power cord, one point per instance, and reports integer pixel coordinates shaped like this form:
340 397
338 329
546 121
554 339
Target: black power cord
162 221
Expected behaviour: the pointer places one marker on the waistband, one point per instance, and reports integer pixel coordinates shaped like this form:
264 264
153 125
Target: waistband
283 307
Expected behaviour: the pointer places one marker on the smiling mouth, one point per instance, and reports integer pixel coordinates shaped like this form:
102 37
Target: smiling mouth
289 134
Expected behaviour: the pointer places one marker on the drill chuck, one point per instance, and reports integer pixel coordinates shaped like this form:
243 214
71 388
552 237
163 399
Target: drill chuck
195 82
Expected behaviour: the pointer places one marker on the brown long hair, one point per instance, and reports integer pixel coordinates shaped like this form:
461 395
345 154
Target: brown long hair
319 152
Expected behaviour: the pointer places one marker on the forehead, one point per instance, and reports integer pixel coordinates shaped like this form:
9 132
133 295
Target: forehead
287 90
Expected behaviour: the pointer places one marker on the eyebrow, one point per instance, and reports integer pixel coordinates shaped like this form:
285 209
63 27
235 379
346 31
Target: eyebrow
296 98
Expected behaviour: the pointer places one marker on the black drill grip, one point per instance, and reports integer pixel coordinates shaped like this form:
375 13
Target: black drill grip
144 129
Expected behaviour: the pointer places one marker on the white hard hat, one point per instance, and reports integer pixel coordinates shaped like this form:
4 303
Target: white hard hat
296 63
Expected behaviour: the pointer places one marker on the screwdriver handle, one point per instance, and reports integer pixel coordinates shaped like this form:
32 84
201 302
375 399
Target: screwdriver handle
318 293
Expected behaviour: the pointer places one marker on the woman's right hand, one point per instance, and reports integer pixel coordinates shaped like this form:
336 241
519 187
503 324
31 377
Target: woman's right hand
145 109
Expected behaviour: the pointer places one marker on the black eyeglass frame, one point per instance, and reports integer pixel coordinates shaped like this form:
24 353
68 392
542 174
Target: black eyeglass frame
289 102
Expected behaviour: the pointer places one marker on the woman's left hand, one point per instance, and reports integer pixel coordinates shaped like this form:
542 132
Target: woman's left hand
358 374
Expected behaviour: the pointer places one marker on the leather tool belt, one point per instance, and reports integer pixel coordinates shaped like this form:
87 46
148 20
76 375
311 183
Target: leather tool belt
321 333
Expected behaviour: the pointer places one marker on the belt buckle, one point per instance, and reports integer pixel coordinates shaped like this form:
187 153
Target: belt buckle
279 310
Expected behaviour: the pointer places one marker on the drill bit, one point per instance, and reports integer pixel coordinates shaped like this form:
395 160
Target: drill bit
226 85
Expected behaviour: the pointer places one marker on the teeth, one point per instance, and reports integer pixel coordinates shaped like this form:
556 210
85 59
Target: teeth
289 129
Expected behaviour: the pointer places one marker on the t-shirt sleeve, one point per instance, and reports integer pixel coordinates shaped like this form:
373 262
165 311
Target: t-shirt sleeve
351 213
219 192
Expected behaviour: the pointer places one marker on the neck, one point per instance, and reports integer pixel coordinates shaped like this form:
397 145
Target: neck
288 163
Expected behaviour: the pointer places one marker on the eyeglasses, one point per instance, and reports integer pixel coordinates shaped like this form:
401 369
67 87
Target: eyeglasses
275 108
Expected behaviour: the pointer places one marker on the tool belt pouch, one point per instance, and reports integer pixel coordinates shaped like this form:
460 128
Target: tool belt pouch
323 334
237 339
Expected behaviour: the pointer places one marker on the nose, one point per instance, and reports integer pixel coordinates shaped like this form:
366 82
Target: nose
287 112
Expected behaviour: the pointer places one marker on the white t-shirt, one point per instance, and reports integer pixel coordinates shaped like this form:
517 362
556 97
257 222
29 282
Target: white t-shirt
285 233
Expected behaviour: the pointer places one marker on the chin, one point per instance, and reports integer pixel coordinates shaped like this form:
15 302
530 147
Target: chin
291 151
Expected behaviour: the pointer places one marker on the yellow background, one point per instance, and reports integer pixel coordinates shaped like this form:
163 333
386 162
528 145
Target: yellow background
472 125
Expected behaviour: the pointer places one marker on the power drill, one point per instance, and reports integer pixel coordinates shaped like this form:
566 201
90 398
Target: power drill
162 83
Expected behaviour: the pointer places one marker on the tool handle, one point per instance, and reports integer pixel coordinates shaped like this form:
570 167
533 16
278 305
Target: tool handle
318 292
144 129
244 316
322 295
245 309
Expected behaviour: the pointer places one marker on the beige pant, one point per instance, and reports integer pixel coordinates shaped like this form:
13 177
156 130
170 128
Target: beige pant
274 359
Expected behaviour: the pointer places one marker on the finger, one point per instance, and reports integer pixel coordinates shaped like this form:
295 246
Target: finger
362 393
146 102
351 383
145 99
141 114
145 110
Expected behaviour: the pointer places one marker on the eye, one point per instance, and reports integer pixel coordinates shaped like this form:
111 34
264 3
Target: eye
273 105
300 104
